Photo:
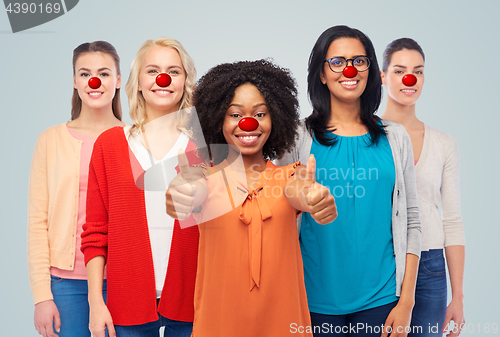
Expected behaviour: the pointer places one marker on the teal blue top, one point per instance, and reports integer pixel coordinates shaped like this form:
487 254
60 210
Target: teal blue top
349 264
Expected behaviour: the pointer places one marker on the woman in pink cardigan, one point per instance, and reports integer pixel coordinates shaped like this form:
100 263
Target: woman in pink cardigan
57 193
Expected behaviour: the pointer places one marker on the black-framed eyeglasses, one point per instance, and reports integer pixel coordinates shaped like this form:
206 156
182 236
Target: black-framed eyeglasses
338 63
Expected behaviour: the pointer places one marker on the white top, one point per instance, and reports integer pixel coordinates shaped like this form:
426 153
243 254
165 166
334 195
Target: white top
437 175
156 180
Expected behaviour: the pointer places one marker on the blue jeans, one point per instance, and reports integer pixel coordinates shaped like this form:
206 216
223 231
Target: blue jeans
430 295
363 323
172 329
71 299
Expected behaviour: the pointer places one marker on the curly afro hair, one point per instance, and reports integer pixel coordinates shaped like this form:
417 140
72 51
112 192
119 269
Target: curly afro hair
215 93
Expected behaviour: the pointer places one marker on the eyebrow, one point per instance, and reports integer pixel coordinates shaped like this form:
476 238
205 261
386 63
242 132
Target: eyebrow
100 69
241 106
420 66
155 66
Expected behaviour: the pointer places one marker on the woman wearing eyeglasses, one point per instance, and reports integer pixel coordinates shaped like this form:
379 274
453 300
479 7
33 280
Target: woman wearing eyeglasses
436 169
360 270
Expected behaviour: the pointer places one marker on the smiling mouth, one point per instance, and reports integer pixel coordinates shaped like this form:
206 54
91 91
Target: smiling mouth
247 139
162 92
409 90
95 94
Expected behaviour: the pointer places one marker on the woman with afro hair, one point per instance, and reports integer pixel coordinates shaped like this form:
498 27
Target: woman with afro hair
250 280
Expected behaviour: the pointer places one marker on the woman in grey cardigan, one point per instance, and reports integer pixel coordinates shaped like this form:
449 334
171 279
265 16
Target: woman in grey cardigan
436 169
360 270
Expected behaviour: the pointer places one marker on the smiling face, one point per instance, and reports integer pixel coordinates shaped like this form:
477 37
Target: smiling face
404 62
247 102
102 66
343 89
159 60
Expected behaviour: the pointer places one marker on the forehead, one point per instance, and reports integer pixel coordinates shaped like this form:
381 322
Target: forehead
406 57
95 60
346 47
161 56
247 93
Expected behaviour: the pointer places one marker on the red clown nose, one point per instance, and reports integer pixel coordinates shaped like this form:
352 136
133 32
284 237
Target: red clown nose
409 80
248 124
94 82
350 71
163 80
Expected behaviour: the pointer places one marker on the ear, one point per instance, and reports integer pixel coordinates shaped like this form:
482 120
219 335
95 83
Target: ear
119 82
382 75
74 81
322 78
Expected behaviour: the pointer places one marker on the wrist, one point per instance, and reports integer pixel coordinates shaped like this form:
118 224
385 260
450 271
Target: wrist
406 303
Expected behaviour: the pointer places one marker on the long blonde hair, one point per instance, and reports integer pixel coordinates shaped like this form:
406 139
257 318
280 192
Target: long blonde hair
136 100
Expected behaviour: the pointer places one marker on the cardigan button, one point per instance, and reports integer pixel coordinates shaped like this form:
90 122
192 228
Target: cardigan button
397 213
398 192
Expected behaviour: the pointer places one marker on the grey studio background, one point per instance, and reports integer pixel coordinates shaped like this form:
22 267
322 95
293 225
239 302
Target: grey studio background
460 39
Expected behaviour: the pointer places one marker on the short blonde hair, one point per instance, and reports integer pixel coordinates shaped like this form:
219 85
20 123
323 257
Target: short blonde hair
136 101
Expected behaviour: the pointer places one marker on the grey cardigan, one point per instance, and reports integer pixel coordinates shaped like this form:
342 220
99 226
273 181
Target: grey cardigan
406 226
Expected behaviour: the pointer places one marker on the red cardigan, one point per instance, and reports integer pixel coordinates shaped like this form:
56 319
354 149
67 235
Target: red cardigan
117 229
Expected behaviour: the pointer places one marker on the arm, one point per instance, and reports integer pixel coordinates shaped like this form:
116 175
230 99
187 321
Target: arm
46 313
306 195
454 237
400 317
100 318
95 242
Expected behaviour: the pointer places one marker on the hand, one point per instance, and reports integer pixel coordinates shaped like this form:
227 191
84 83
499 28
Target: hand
100 319
317 198
181 190
455 313
399 320
46 314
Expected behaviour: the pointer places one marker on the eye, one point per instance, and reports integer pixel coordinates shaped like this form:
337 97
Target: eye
398 72
260 114
419 72
152 71
337 62
174 72
104 74
235 115
84 74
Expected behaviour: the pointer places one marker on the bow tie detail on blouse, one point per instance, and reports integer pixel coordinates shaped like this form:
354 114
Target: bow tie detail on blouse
254 211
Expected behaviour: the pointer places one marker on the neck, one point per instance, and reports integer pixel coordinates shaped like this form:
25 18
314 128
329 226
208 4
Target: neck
252 163
345 112
153 113
96 119
166 122
401 114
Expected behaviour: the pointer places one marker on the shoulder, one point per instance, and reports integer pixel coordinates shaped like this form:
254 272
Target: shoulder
111 135
54 131
393 128
439 136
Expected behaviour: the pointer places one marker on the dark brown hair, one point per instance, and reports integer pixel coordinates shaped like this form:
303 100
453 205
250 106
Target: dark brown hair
96 47
397 45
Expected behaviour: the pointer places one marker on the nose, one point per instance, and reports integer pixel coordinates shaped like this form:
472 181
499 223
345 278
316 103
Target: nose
94 82
409 80
248 124
163 80
350 71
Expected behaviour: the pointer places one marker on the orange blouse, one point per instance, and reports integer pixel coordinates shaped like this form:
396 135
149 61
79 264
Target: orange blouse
250 280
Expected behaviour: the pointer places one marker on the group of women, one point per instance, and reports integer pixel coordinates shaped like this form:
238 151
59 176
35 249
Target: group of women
108 256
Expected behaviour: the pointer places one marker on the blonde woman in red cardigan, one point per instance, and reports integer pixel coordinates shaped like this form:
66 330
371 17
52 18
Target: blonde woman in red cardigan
151 261
57 193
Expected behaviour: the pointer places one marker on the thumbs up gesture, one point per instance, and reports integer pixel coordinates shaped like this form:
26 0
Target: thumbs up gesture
316 198
183 191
